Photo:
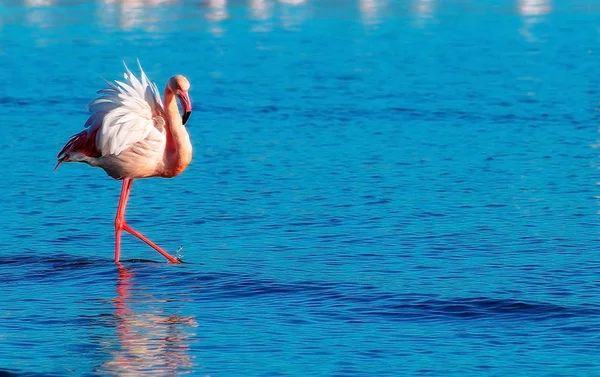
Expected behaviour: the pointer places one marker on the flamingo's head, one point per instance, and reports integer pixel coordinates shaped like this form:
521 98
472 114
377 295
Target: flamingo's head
180 86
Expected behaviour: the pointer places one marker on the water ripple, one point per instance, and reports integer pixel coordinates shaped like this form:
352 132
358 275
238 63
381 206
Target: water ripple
379 188
349 302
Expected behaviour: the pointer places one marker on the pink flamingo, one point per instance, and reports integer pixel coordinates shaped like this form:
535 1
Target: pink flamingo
131 134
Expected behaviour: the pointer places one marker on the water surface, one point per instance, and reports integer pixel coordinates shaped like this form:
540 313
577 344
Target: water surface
379 188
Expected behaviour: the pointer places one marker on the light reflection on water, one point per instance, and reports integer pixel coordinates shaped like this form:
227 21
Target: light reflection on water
534 7
532 12
131 14
423 10
290 14
378 151
149 342
217 13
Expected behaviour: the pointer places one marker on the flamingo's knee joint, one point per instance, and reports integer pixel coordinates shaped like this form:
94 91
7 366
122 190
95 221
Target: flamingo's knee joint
119 221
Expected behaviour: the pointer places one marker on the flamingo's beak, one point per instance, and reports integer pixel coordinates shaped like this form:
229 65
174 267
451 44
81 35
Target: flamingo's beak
186 106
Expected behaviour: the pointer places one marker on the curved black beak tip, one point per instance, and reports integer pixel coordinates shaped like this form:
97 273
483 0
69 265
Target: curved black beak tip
186 116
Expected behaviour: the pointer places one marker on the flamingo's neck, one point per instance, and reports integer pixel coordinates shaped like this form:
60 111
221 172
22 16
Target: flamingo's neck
178 151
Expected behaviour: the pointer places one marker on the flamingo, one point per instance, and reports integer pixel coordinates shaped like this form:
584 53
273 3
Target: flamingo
131 134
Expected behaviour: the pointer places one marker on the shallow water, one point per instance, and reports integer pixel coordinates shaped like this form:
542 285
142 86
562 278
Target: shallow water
378 189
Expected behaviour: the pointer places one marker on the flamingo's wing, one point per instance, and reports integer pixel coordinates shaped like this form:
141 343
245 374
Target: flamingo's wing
123 113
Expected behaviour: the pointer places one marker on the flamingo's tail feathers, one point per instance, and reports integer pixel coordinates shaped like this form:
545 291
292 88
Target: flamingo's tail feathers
83 143
60 161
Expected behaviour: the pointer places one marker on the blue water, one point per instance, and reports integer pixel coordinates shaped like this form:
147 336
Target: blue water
379 188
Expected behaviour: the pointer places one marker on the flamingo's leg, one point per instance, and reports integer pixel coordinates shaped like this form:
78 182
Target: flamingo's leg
120 218
150 243
121 224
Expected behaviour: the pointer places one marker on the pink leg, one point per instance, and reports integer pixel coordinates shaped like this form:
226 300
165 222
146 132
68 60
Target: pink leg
120 218
121 224
150 243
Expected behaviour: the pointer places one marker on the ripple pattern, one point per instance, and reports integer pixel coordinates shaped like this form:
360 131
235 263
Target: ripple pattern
379 188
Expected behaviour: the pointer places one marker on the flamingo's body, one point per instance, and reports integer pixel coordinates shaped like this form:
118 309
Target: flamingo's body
131 134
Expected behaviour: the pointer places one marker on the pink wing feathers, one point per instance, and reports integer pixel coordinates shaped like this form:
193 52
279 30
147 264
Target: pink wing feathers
120 117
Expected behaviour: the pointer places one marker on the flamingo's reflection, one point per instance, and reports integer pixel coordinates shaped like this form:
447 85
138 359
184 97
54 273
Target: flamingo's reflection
150 343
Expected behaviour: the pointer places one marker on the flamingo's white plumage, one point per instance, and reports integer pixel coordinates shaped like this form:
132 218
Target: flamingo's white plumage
131 133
